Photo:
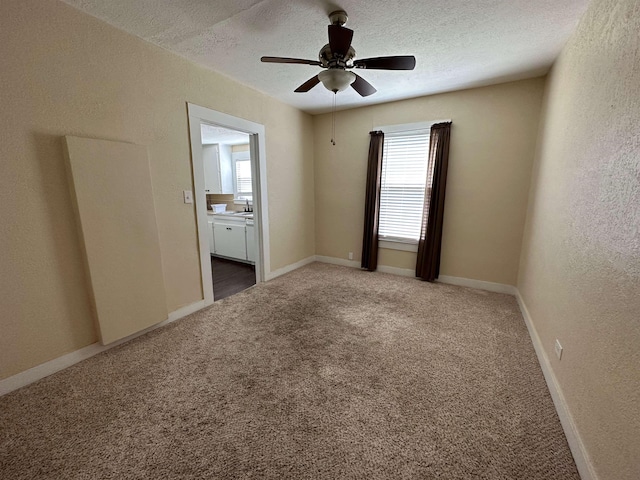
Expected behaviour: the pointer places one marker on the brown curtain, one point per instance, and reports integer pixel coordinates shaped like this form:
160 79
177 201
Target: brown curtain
430 242
372 203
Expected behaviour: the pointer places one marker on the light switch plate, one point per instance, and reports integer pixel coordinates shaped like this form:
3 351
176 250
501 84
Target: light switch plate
188 196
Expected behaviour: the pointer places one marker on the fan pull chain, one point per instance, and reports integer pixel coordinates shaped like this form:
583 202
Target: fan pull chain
333 120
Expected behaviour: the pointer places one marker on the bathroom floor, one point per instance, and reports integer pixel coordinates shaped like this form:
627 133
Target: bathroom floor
231 277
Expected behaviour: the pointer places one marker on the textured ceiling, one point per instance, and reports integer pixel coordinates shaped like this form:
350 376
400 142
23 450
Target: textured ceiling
214 134
457 44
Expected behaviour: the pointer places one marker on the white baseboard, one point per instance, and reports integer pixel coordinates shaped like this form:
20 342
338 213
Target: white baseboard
182 312
337 261
407 272
580 455
34 374
290 268
479 284
404 272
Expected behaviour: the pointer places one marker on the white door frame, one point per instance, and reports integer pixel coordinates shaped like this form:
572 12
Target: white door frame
198 115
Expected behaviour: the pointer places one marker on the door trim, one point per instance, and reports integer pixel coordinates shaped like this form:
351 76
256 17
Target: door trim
198 115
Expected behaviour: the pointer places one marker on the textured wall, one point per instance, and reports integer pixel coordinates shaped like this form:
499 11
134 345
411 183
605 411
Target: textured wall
492 147
66 73
580 268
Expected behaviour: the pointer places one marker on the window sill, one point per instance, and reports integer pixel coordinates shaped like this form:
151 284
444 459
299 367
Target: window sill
408 246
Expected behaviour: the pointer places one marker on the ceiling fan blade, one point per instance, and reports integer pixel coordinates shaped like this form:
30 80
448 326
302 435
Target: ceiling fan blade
340 39
401 62
289 60
308 85
363 87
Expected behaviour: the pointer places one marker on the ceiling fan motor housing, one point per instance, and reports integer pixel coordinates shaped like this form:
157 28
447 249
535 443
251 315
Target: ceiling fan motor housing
329 60
339 17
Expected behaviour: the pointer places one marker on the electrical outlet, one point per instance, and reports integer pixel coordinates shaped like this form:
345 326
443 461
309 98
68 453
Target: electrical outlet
350 255
558 349
188 196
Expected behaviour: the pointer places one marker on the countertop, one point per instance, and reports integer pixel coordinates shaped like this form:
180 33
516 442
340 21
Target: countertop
248 215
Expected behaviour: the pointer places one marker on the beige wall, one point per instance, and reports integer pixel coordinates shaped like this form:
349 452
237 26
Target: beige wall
492 146
66 73
580 268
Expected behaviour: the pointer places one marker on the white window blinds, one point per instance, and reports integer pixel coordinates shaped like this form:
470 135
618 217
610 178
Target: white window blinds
404 173
243 176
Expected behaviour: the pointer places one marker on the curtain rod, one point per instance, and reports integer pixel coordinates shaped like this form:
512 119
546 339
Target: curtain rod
398 128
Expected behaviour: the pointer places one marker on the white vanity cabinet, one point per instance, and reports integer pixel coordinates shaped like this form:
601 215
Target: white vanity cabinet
229 237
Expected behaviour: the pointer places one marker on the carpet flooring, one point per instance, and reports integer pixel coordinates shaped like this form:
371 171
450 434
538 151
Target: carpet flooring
327 372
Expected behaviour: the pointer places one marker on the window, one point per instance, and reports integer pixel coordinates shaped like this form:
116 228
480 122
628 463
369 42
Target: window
242 188
404 172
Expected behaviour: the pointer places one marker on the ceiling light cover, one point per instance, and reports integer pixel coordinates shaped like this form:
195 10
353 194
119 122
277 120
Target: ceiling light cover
336 80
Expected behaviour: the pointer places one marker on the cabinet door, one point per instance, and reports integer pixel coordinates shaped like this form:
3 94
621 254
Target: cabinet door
251 243
225 168
212 248
211 160
229 240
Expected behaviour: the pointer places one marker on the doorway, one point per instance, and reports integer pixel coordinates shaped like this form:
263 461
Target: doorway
229 170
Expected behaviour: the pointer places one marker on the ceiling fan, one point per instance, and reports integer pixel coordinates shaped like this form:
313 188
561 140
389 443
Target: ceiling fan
337 58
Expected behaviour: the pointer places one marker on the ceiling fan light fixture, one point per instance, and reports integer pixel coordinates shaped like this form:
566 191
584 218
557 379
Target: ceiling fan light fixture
336 80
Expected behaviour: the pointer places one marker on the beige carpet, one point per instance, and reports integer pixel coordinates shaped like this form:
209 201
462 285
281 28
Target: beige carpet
327 372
